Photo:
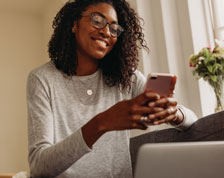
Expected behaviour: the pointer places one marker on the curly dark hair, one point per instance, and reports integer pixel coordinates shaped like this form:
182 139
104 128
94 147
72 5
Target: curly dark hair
119 65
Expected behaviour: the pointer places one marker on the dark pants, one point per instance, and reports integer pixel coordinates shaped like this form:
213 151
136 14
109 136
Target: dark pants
209 128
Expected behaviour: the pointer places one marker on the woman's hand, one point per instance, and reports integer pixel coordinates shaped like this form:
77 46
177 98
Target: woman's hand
124 115
127 114
164 111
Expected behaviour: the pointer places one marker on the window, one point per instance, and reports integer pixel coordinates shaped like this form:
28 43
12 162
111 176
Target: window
217 15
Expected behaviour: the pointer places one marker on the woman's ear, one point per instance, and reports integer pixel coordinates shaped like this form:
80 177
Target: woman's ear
74 28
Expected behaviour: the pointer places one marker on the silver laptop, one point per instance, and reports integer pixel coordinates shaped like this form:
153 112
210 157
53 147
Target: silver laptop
181 160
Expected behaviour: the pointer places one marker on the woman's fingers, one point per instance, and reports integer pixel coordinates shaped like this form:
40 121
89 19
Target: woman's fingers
157 116
145 97
163 102
139 125
171 102
142 110
163 114
157 109
137 114
137 122
171 110
167 119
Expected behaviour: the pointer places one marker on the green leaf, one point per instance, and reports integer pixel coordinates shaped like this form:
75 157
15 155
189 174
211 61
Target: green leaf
213 78
210 68
208 64
206 52
217 68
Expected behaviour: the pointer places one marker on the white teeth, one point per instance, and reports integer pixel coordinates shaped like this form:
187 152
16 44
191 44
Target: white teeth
103 43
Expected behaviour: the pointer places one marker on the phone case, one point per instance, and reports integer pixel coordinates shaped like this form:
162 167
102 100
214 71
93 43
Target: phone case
161 83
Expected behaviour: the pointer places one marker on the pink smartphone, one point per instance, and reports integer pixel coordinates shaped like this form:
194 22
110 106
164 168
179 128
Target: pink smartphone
161 83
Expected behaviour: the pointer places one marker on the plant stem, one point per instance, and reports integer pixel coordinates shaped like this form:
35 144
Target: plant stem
217 86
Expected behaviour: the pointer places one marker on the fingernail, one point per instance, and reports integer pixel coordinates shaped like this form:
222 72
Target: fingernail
157 97
151 104
148 93
156 123
151 116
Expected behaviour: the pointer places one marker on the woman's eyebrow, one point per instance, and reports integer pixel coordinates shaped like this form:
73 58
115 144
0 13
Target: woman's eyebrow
114 21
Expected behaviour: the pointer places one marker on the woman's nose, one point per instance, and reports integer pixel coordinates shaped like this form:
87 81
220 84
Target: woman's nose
105 31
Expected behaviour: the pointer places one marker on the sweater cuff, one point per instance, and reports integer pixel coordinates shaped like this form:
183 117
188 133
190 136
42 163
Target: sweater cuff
83 142
189 117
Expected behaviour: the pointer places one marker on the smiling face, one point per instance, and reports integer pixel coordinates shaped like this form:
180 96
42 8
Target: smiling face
93 43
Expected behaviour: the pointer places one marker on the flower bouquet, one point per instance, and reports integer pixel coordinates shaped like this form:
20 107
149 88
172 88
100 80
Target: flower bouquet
209 65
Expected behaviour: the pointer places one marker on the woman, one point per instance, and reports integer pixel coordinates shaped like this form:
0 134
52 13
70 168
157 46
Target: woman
82 103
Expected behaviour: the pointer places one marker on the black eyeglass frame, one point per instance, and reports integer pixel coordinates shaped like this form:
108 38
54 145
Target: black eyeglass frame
92 22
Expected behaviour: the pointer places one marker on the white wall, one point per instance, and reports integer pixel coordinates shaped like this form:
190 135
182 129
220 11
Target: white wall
23 42
21 50
48 16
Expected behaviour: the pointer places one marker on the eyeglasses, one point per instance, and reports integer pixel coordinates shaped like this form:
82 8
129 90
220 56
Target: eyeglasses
99 21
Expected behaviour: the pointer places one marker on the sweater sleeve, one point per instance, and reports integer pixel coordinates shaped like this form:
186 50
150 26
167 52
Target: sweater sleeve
46 158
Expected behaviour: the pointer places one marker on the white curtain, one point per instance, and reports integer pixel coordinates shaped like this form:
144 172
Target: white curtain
217 16
174 30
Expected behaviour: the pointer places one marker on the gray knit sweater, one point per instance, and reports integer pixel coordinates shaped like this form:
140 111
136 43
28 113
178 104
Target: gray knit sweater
58 106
